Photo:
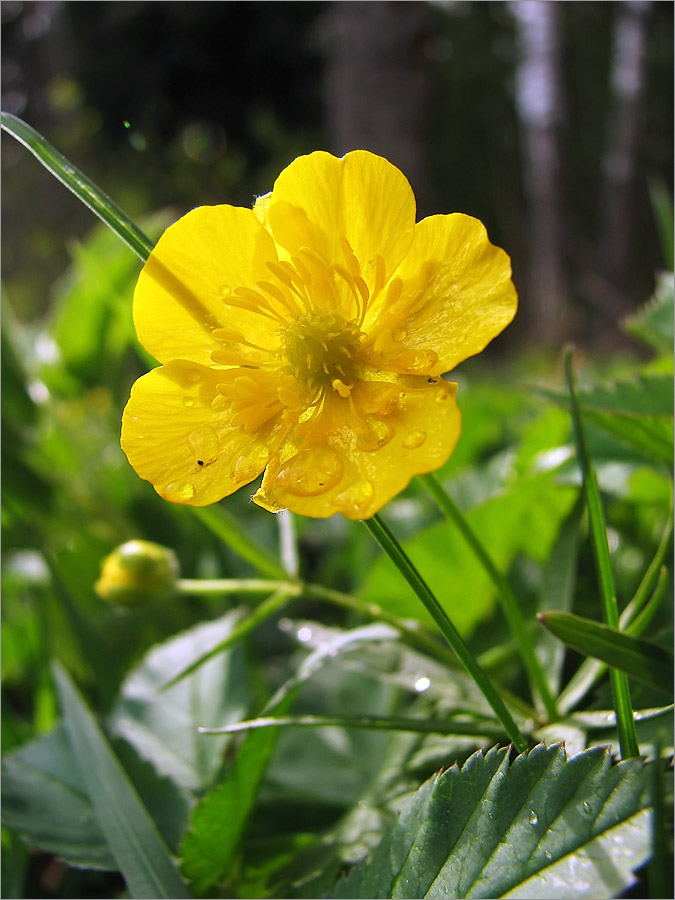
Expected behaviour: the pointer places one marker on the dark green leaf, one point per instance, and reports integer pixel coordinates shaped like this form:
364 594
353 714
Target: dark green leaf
162 725
544 826
44 798
132 837
649 663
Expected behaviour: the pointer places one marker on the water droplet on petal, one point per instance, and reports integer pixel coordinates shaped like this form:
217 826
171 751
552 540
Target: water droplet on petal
204 444
248 467
422 684
356 498
311 472
379 434
304 634
534 818
587 808
193 376
399 334
179 491
414 440
188 401
441 395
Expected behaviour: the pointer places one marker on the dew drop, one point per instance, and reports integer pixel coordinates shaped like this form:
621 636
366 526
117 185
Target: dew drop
248 467
311 472
193 376
179 491
399 334
380 433
304 634
534 818
422 684
204 444
441 396
188 401
357 498
587 808
414 440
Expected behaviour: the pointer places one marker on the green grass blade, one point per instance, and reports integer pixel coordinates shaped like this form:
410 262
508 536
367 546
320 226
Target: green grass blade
133 839
383 723
620 693
649 663
77 182
393 549
266 609
590 670
224 525
508 601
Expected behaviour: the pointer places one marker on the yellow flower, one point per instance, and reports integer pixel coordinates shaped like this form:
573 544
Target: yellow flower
307 338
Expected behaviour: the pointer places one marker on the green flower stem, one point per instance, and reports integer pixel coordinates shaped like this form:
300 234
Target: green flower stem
619 683
386 723
393 549
77 182
231 585
266 609
507 598
413 634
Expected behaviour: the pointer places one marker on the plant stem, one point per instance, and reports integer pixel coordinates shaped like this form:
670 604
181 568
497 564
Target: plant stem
619 683
385 723
266 609
507 598
77 182
393 549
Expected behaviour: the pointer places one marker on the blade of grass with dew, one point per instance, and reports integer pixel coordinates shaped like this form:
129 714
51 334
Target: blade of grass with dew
132 836
393 549
382 723
619 683
508 601
645 661
77 182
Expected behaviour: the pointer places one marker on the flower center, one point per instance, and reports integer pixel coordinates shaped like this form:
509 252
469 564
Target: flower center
320 349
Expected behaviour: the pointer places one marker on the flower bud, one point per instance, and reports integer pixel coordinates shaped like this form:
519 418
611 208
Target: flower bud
138 572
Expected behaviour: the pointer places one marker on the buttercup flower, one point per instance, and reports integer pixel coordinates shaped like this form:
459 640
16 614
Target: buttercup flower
307 338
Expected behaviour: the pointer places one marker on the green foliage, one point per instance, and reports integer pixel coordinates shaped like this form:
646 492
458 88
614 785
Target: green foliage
344 809
544 826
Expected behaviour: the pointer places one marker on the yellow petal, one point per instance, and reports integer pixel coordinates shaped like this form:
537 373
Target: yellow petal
456 296
303 208
320 202
187 448
178 302
377 213
355 463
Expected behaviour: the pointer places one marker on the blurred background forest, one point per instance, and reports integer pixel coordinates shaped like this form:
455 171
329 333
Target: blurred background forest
550 121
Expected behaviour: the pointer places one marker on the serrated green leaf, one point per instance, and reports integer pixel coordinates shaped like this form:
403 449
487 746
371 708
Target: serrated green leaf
140 853
489 828
522 520
653 324
162 725
649 663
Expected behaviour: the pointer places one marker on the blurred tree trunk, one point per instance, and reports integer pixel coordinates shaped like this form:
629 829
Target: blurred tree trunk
377 80
538 102
622 147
